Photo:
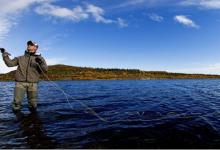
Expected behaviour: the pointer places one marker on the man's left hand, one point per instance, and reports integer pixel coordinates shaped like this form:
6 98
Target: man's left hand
38 60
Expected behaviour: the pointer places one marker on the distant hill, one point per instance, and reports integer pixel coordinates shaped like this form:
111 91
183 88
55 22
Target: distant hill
64 72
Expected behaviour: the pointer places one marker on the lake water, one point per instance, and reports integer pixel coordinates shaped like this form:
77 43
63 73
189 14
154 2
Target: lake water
139 114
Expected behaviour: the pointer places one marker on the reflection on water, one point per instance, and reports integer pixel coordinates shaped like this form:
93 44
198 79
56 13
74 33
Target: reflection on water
33 131
140 114
25 131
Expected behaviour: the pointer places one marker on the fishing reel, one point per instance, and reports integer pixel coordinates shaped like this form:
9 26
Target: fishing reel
2 50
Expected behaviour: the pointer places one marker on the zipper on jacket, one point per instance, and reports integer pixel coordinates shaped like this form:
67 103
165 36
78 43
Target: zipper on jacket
28 67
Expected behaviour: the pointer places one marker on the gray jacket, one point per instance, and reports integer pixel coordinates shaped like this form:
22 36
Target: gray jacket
28 69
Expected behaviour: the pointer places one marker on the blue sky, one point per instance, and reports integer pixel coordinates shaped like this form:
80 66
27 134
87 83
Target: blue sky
172 35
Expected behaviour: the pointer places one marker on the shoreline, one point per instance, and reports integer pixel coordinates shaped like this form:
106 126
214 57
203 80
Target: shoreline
65 72
123 79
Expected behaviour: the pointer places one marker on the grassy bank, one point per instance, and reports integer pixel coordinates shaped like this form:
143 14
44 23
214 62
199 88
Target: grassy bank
64 72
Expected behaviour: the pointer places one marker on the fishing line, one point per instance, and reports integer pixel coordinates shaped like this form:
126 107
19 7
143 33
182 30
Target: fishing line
67 99
101 118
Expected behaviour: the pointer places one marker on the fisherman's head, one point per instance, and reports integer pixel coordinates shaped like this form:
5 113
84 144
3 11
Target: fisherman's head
32 47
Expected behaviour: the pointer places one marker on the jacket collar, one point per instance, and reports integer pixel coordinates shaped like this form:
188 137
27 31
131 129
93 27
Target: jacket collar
26 53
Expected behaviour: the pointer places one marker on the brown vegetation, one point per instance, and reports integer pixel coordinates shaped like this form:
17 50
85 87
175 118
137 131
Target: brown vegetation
64 72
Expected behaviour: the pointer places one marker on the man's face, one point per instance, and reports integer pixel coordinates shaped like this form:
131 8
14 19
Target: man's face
32 48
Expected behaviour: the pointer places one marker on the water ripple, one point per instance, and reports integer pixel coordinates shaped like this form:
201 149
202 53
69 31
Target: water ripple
140 114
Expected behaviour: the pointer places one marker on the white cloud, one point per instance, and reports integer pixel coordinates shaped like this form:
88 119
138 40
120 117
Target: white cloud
131 2
122 23
210 4
5 26
97 14
15 6
156 17
4 68
203 69
9 13
78 13
146 3
185 21
54 61
11 10
50 61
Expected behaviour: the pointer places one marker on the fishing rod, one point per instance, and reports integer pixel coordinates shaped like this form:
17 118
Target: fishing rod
67 99
60 89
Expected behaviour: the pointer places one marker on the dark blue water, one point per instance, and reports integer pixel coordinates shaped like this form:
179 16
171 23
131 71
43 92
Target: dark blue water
140 114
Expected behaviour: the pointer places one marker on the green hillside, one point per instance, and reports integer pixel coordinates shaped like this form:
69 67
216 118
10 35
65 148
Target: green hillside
64 72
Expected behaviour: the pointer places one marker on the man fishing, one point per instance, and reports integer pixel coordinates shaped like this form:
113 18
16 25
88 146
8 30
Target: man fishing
27 75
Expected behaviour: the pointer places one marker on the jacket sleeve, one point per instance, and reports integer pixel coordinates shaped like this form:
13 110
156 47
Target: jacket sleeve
10 62
43 66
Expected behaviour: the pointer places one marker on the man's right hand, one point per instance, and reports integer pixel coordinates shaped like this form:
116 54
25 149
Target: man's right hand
2 50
